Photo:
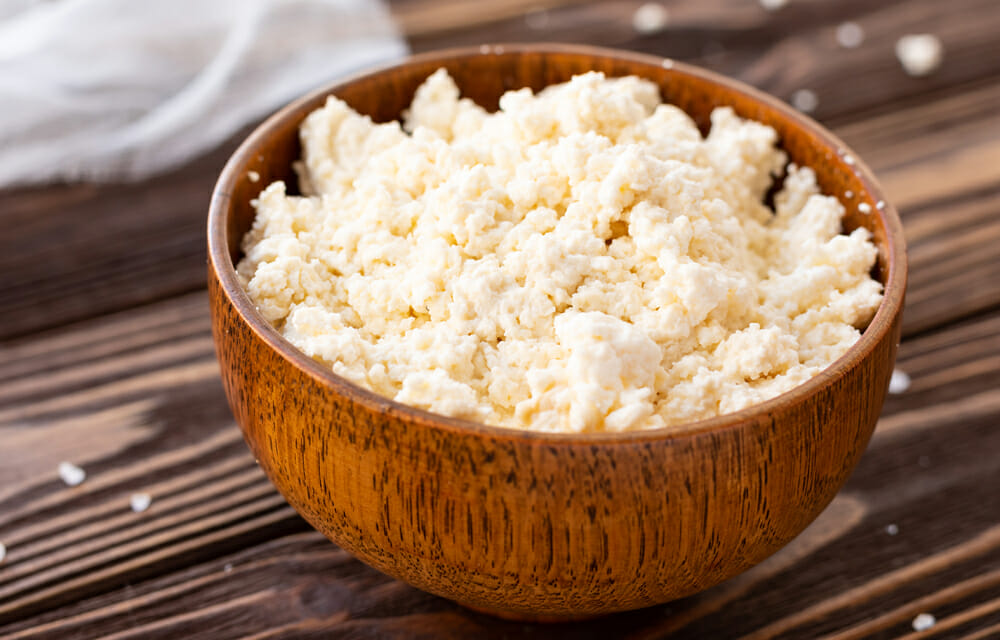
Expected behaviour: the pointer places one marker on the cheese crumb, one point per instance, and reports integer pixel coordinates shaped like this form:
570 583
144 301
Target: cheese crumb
899 382
920 54
923 622
581 260
773 5
649 18
850 35
892 529
805 100
71 474
865 208
537 19
140 501
253 176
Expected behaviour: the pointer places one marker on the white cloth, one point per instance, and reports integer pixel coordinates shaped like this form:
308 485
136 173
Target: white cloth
122 89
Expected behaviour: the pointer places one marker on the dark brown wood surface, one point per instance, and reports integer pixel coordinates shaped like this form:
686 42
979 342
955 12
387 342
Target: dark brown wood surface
106 360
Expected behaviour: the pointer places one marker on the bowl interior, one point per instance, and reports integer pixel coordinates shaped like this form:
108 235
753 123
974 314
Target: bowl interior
484 74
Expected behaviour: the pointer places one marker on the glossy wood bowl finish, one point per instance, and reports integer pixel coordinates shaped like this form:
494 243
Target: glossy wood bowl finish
538 525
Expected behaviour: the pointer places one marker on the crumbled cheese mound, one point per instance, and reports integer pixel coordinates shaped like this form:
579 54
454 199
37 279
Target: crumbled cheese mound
581 260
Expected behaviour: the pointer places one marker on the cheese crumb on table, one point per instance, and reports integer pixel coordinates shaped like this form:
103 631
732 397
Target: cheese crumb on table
652 17
892 529
773 5
581 260
805 100
71 474
850 35
920 54
923 622
139 502
537 19
899 382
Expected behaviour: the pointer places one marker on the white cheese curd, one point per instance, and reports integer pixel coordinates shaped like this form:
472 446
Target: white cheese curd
920 54
581 260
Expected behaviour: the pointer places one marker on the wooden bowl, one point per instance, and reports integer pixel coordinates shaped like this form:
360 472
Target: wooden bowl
538 525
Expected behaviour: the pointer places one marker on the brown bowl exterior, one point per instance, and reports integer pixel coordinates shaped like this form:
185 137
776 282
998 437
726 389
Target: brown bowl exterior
541 525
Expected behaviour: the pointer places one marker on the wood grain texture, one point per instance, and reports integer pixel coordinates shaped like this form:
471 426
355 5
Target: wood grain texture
123 245
135 402
76 252
845 574
524 524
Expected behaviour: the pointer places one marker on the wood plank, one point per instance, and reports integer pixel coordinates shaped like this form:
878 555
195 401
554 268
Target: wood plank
73 252
938 162
79 562
780 51
952 224
136 400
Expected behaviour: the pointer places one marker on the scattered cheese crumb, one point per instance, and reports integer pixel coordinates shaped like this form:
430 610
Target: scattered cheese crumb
892 529
71 474
3 551
920 54
923 622
140 501
228 568
899 382
850 35
773 5
849 159
537 19
253 176
668 63
848 194
865 208
651 17
805 100
484 49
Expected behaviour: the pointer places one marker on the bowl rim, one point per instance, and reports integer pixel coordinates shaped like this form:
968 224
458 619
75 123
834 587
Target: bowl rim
225 271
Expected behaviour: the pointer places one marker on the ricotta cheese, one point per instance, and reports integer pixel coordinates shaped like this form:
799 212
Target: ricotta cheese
581 260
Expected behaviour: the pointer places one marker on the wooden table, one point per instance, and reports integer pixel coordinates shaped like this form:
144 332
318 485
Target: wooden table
106 360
